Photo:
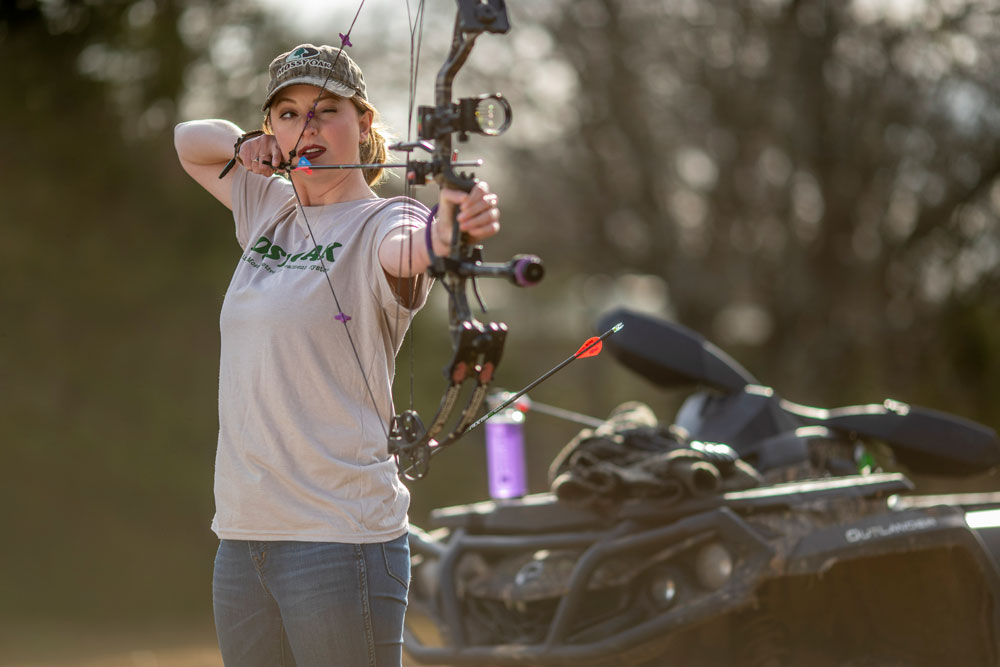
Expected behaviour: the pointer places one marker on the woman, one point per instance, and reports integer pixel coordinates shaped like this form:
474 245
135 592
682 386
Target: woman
313 563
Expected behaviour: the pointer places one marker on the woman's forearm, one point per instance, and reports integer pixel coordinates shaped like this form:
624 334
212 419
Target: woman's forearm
404 254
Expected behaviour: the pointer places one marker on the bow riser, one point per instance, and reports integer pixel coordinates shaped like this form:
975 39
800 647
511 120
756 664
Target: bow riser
446 121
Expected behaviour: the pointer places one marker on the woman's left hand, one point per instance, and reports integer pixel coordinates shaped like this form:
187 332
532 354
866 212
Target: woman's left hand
478 214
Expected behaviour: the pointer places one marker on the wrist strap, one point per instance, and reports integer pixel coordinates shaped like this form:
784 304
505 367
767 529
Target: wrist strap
236 150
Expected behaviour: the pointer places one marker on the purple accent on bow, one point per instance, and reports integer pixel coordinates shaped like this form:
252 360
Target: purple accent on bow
526 271
343 317
344 39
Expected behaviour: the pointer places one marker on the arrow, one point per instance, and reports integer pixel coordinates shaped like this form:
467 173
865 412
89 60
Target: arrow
303 162
591 348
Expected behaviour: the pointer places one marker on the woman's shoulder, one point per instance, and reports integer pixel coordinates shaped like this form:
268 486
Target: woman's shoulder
261 195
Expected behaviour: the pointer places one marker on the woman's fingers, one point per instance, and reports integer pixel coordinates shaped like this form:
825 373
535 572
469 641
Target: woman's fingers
257 152
480 216
276 156
475 206
478 210
487 220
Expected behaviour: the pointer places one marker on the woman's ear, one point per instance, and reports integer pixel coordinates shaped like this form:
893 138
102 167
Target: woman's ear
365 125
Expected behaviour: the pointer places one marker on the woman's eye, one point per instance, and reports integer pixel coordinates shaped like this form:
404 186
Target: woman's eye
286 114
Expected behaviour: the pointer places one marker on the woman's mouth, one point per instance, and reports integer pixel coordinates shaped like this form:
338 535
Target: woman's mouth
312 152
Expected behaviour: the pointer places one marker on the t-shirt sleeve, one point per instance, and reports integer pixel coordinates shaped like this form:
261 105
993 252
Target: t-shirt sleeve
408 213
256 199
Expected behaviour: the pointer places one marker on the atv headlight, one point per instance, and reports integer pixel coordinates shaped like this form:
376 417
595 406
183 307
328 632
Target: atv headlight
663 587
713 566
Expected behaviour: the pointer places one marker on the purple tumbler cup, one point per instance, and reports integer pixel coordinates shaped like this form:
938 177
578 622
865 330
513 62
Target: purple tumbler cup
505 455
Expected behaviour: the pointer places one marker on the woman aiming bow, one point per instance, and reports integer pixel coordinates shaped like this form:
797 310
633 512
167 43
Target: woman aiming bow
313 562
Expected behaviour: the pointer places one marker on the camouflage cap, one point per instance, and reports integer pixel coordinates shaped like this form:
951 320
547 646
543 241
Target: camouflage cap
323 66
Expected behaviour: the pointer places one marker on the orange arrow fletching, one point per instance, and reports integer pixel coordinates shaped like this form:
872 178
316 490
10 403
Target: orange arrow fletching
591 348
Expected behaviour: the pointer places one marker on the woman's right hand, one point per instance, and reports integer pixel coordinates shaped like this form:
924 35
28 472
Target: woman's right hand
256 152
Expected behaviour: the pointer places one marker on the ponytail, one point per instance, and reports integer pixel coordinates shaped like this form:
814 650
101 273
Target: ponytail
373 150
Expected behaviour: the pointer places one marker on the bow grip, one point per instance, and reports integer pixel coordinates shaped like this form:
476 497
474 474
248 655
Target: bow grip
449 179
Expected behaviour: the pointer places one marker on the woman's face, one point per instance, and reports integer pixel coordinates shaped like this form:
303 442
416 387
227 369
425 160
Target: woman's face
331 136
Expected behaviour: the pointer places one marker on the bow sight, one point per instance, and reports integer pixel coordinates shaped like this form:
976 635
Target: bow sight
484 114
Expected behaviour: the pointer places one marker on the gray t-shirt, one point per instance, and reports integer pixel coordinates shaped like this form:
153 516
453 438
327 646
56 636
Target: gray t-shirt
302 451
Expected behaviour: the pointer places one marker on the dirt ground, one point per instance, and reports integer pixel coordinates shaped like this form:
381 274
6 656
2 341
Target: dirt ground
191 656
76 647
73 647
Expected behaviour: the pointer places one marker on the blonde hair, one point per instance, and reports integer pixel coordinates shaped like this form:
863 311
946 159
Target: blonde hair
372 151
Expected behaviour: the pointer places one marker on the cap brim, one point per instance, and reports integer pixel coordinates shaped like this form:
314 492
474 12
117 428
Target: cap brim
329 85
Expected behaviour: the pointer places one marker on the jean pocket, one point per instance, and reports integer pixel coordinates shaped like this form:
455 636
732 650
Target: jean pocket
396 555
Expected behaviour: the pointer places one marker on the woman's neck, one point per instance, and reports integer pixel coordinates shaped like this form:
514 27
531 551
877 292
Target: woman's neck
334 188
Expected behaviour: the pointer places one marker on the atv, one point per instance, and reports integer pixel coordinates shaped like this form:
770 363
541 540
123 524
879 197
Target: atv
750 530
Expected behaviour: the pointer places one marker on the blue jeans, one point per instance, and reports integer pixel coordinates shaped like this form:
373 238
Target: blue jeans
311 604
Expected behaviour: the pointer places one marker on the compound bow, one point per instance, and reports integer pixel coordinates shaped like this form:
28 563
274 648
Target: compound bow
477 346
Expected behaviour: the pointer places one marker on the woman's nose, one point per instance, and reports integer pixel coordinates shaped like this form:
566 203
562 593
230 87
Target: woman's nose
310 124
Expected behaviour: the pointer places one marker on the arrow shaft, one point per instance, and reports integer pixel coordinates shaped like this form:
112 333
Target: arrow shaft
544 377
394 165
377 165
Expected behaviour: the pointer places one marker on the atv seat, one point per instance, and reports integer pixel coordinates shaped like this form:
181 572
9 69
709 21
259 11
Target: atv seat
928 441
670 355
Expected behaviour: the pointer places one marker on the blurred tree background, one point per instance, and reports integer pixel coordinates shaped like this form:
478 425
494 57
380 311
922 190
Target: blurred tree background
813 185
